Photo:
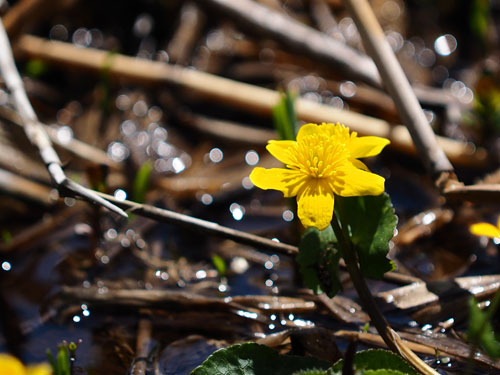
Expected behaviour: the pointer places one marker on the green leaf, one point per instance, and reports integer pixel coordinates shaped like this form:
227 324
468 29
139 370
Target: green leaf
310 372
376 362
62 360
318 261
255 359
371 222
36 68
284 117
219 264
141 181
481 331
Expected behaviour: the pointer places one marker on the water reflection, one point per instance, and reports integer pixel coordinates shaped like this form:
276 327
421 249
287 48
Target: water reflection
445 44
6 266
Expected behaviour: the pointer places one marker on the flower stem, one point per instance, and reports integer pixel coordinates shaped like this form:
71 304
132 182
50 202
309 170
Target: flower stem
367 300
390 337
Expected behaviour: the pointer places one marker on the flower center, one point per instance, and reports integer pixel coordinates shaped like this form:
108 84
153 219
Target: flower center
319 155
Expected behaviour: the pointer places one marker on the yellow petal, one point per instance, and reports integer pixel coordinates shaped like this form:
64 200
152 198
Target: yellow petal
363 147
39 369
498 222
485 229
10 365
285 180
307 129
360 165
353 182
315 204
282 150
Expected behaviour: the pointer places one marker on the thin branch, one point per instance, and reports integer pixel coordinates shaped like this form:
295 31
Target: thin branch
210 227
399 87
81 149
229 92
299 38
35 131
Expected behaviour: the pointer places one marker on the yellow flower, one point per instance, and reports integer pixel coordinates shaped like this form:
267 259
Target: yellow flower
322 162
486 229
10 365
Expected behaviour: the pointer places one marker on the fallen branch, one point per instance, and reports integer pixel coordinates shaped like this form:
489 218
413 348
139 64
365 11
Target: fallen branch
212 228
37 134
81 149
229 92
299 38
399 87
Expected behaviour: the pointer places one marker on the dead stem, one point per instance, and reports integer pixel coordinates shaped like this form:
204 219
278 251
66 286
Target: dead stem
232 93
35 131
399 87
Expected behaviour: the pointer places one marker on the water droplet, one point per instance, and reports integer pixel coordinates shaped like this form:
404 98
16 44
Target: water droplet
445 44
215 40
206 199
291 317
64 134
85 312
143 25
178 165
120 194
426 58
251 157
96 38
104 259
239 265
118 152
288 215
140 108
110 234
201 274
6 266
222 288
76 318
216 155
272 326
426 327
247 183
269 283
70 202
237 211
82 37
348 89
390 10
58 32
273 317
268 265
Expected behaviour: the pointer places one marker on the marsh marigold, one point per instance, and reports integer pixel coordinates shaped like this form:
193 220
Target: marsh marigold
486 229
10 365
323 162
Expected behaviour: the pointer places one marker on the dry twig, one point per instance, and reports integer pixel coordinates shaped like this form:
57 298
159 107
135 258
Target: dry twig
35 131
399 87
248 97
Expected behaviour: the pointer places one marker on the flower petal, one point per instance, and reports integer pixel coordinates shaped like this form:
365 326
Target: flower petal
282 150
315 204
485 229
355 182
289 182
307 129
363 147
359 164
